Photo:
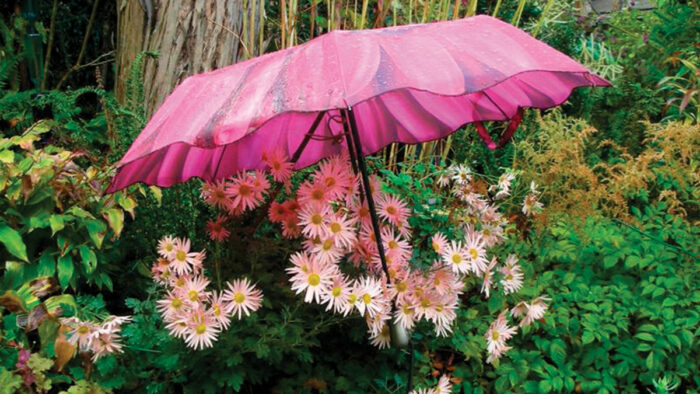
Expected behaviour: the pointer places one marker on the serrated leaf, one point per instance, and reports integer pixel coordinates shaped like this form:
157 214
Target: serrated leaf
12 240
65 270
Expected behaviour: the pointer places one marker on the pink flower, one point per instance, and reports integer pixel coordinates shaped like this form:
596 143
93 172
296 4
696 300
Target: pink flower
243 296
370 297
280 166
341 229
202 329
194 290
242 192
182 260
444 314
532 311
456 257
497 335
382 339
334 176
326 252
221 309
336 295
277 212
488 277
438 242
393 210
217 230
512 275
171 305
313 280
313 193
214 194
405 316
475 252
313 218
166 247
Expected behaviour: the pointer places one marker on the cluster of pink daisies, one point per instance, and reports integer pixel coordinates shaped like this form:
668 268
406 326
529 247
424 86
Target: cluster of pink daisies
330 213
189 310
98 339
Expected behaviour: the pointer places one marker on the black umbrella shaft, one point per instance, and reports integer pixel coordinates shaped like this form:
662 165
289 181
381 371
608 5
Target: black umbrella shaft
368 190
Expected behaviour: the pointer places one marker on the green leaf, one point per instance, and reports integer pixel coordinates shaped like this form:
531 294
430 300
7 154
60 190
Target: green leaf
47 264
545 386
645 336
96 229
115 218
13 242
89 258
558 352
57 223
65 270
7 156
650 361
587 337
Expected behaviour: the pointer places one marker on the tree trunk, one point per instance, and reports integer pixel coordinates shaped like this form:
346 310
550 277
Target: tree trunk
190 36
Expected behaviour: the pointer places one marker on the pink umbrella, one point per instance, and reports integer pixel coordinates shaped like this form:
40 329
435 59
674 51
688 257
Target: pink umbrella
355 90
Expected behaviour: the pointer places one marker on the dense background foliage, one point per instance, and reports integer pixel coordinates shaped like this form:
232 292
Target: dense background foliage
616 247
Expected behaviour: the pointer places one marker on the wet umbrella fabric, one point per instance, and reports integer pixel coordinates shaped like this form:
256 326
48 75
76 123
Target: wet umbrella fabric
406 84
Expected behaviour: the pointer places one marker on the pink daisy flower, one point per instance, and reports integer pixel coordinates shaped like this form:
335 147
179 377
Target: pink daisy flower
182 260
291 228
177 324
260 184
244 298
194 290
314 280
456 257
336 295
475 252
280 166
488 277
171 305
313 193
444 314
202 329
80 333
405 316
333 177
382 339
393 210
326 252
313 218
216 229
532 311
395 247
241 190
166 247
497 335
214 194
342 230
221 309
512 275
277 212
370 296
439 242
531 205
103 343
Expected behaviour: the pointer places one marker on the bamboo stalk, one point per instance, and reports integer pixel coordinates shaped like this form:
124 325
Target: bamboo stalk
251 37
455 9
446 149
518 13
283 17
261 27
363 14
540 22
495 10
471 9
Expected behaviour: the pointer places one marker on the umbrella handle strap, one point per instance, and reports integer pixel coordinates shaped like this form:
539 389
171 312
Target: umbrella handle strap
507 134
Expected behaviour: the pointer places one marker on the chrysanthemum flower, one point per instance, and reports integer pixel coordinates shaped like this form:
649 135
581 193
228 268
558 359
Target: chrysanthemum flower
475 252
492 234
104 343
161 271
214 194
166 247
260 184
456 257
531 205
182 259
194 290
462 174
243 296
221 309
336 295
202 329
80 333
438 242
177 324
326 252
444 386
441 279
395 247
393 209
488 277
370 296
405 316
443 180
382 339
444 314
314 280
512 275
241 191
333 176
532 311
313 193
216 229
342 230
280 166
277 212
497 335
291 228
170 305
313 219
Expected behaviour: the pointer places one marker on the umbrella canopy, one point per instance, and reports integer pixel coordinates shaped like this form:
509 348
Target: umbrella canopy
406 84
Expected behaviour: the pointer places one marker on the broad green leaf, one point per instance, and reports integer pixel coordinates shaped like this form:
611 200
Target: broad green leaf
587 337
13 241
7 156
57 223
645 336
96 229
89 258
558 352
65 270
115 218
47 264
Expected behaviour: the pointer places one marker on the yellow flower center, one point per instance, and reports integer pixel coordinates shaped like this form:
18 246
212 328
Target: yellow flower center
317 194
352 299
509 277
244 190
168 248
474 253
180 255
393 244
239 298
456 258
217 310
193 295
494 335
330 181
335 227
180 282
314 279
436 246
391 210
366 298
176 303
327 245
336 291
439 308
401 287
200 329
425 303
316 219
82 330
